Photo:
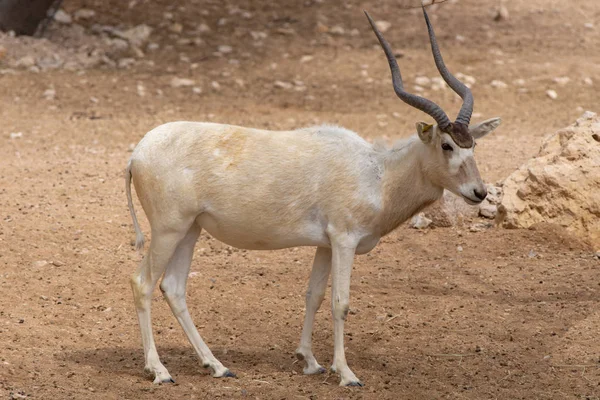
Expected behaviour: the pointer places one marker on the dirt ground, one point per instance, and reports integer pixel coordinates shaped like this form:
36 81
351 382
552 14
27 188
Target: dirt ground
514 315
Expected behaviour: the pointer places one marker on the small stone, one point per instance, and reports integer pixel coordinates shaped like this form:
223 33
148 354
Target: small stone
422 81
225 49
215 85
258 35
418 89
337 30
501 14
181 82
176 27
125 62
589 25
383 26
203 28
519 82
25 62
141 89
498 84
62 17
137 36
282 85
84 13
306 58
40 263
479 227
587 80
49 94
16 135
552 94
459 249
420 221
531 254
562 80
197 90
488 210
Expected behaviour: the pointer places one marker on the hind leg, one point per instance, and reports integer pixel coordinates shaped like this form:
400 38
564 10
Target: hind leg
143 281
173 286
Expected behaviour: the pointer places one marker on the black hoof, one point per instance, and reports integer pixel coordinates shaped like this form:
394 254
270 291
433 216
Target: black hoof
229 374
170 380
357 383
322 370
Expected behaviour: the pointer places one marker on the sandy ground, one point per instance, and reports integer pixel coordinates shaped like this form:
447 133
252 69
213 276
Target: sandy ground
514 315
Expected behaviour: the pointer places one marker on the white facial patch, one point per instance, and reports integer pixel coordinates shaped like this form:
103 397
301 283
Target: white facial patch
459 155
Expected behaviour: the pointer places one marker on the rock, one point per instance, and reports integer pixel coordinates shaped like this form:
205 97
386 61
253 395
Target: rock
181 82
16 135
225 49
420 221
282 85
62 17
125 62
337 30
136 36
215 85
587 80
488 210
552 94
84 14
450 210
306 58
141 89
501 14
560 184
40 263
49 94
480 227
562 80
498 84
383 26
25 62
422 81
203 28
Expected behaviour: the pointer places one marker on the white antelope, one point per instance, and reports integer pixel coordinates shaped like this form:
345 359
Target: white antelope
321 186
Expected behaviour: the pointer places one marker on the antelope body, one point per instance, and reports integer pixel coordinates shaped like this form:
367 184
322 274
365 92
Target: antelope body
321 186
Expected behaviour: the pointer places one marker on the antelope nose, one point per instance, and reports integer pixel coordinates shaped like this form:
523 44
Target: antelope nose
480 193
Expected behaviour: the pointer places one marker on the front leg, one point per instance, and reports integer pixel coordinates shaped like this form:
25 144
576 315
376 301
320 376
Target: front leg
342 259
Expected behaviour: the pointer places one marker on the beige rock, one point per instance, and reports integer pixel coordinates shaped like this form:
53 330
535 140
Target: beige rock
561 185
450 210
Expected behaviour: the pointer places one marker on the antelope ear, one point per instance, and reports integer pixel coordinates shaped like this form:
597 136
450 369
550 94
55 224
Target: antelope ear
425 131
483 128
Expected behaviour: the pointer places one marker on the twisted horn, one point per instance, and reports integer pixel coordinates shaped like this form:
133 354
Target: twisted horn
427 106
464 115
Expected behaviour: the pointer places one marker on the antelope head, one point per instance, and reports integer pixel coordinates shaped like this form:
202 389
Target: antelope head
450 162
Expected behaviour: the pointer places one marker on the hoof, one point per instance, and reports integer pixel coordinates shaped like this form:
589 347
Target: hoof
354 383
228 374
322 370
300 356
168 380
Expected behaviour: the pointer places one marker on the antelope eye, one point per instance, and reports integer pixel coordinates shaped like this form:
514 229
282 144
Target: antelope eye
446 147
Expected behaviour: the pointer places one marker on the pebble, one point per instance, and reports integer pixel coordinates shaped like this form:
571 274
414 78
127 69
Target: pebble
141 89
63 17
498 84
16 135
49 94
282 85
84 13
420 221
459 249
552 94
337 30
215 85
383 26
587 80
306 58
501 14
25 62
562 80
225 49
181 82
422 81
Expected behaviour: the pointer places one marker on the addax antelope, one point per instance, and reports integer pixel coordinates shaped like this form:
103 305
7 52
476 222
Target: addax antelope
321 186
